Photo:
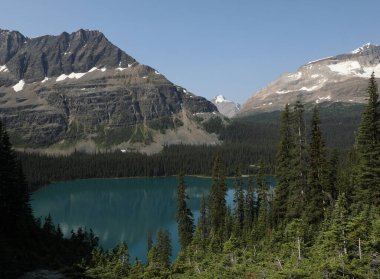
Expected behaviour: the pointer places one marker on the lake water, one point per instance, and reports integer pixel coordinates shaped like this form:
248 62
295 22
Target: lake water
121 209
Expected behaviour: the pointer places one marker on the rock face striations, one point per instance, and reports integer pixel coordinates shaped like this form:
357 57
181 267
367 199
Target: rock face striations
338 79
61 90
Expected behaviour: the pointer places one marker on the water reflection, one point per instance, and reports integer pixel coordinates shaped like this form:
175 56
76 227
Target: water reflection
120 209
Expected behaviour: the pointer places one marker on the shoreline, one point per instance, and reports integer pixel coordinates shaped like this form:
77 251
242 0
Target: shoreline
134 177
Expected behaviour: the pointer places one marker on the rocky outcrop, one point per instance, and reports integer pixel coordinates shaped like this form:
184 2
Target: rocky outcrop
79 86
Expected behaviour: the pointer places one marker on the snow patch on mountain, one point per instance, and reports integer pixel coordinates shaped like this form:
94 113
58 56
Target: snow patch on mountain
295 76
304 88
4 69
327 98
283 91
354 68
362 48
70 76
346 67
318 60
19 86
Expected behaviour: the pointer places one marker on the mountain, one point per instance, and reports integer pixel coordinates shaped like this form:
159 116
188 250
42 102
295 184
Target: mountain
226 107
78 90
342 78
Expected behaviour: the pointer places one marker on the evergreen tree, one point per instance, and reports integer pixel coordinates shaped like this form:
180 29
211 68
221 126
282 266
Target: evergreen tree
14 194
332 187
149 241
239 204
201 230
228 224
262 185
298 165
317 181
184 215
283 175
263 218
217 202
368 147
262 202
163 248
250 206
120 260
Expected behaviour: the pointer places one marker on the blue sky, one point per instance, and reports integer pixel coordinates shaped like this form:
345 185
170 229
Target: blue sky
210 47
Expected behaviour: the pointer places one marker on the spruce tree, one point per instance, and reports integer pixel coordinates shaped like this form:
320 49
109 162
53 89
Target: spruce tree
239 204
262 186
201 230
315 195
283 175
368 147
163 248
262 202
149 241
217 202
331 187
298 165
184 215
14 194
250 207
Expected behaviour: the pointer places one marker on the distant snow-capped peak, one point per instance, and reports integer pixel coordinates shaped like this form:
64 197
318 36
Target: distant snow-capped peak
221 99
362 48
226 107
339 78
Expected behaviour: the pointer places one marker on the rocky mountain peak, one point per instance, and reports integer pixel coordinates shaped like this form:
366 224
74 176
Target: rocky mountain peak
226 107
48 56
10 43
79 87
341 78
220 99
365 48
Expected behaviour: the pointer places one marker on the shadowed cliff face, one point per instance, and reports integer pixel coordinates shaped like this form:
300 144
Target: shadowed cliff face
337 79
79 86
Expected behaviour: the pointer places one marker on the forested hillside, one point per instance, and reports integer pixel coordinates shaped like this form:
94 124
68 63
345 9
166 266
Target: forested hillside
246 140
321 221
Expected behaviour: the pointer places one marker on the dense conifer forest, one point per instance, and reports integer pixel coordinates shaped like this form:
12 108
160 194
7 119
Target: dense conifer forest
321 221
245 141
27 243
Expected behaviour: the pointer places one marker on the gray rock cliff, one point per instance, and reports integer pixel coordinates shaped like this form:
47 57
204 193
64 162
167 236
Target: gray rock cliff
79 86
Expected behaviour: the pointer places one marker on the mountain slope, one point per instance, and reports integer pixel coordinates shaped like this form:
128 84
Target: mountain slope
226 107
341 78
79 87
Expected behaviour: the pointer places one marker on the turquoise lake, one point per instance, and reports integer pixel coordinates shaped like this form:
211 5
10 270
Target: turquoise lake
121 209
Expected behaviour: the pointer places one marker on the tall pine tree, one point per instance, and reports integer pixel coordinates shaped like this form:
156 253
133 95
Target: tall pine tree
298 165
315 195
14 195
368 147
217 202
283 175
184 215
250 206
239 204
